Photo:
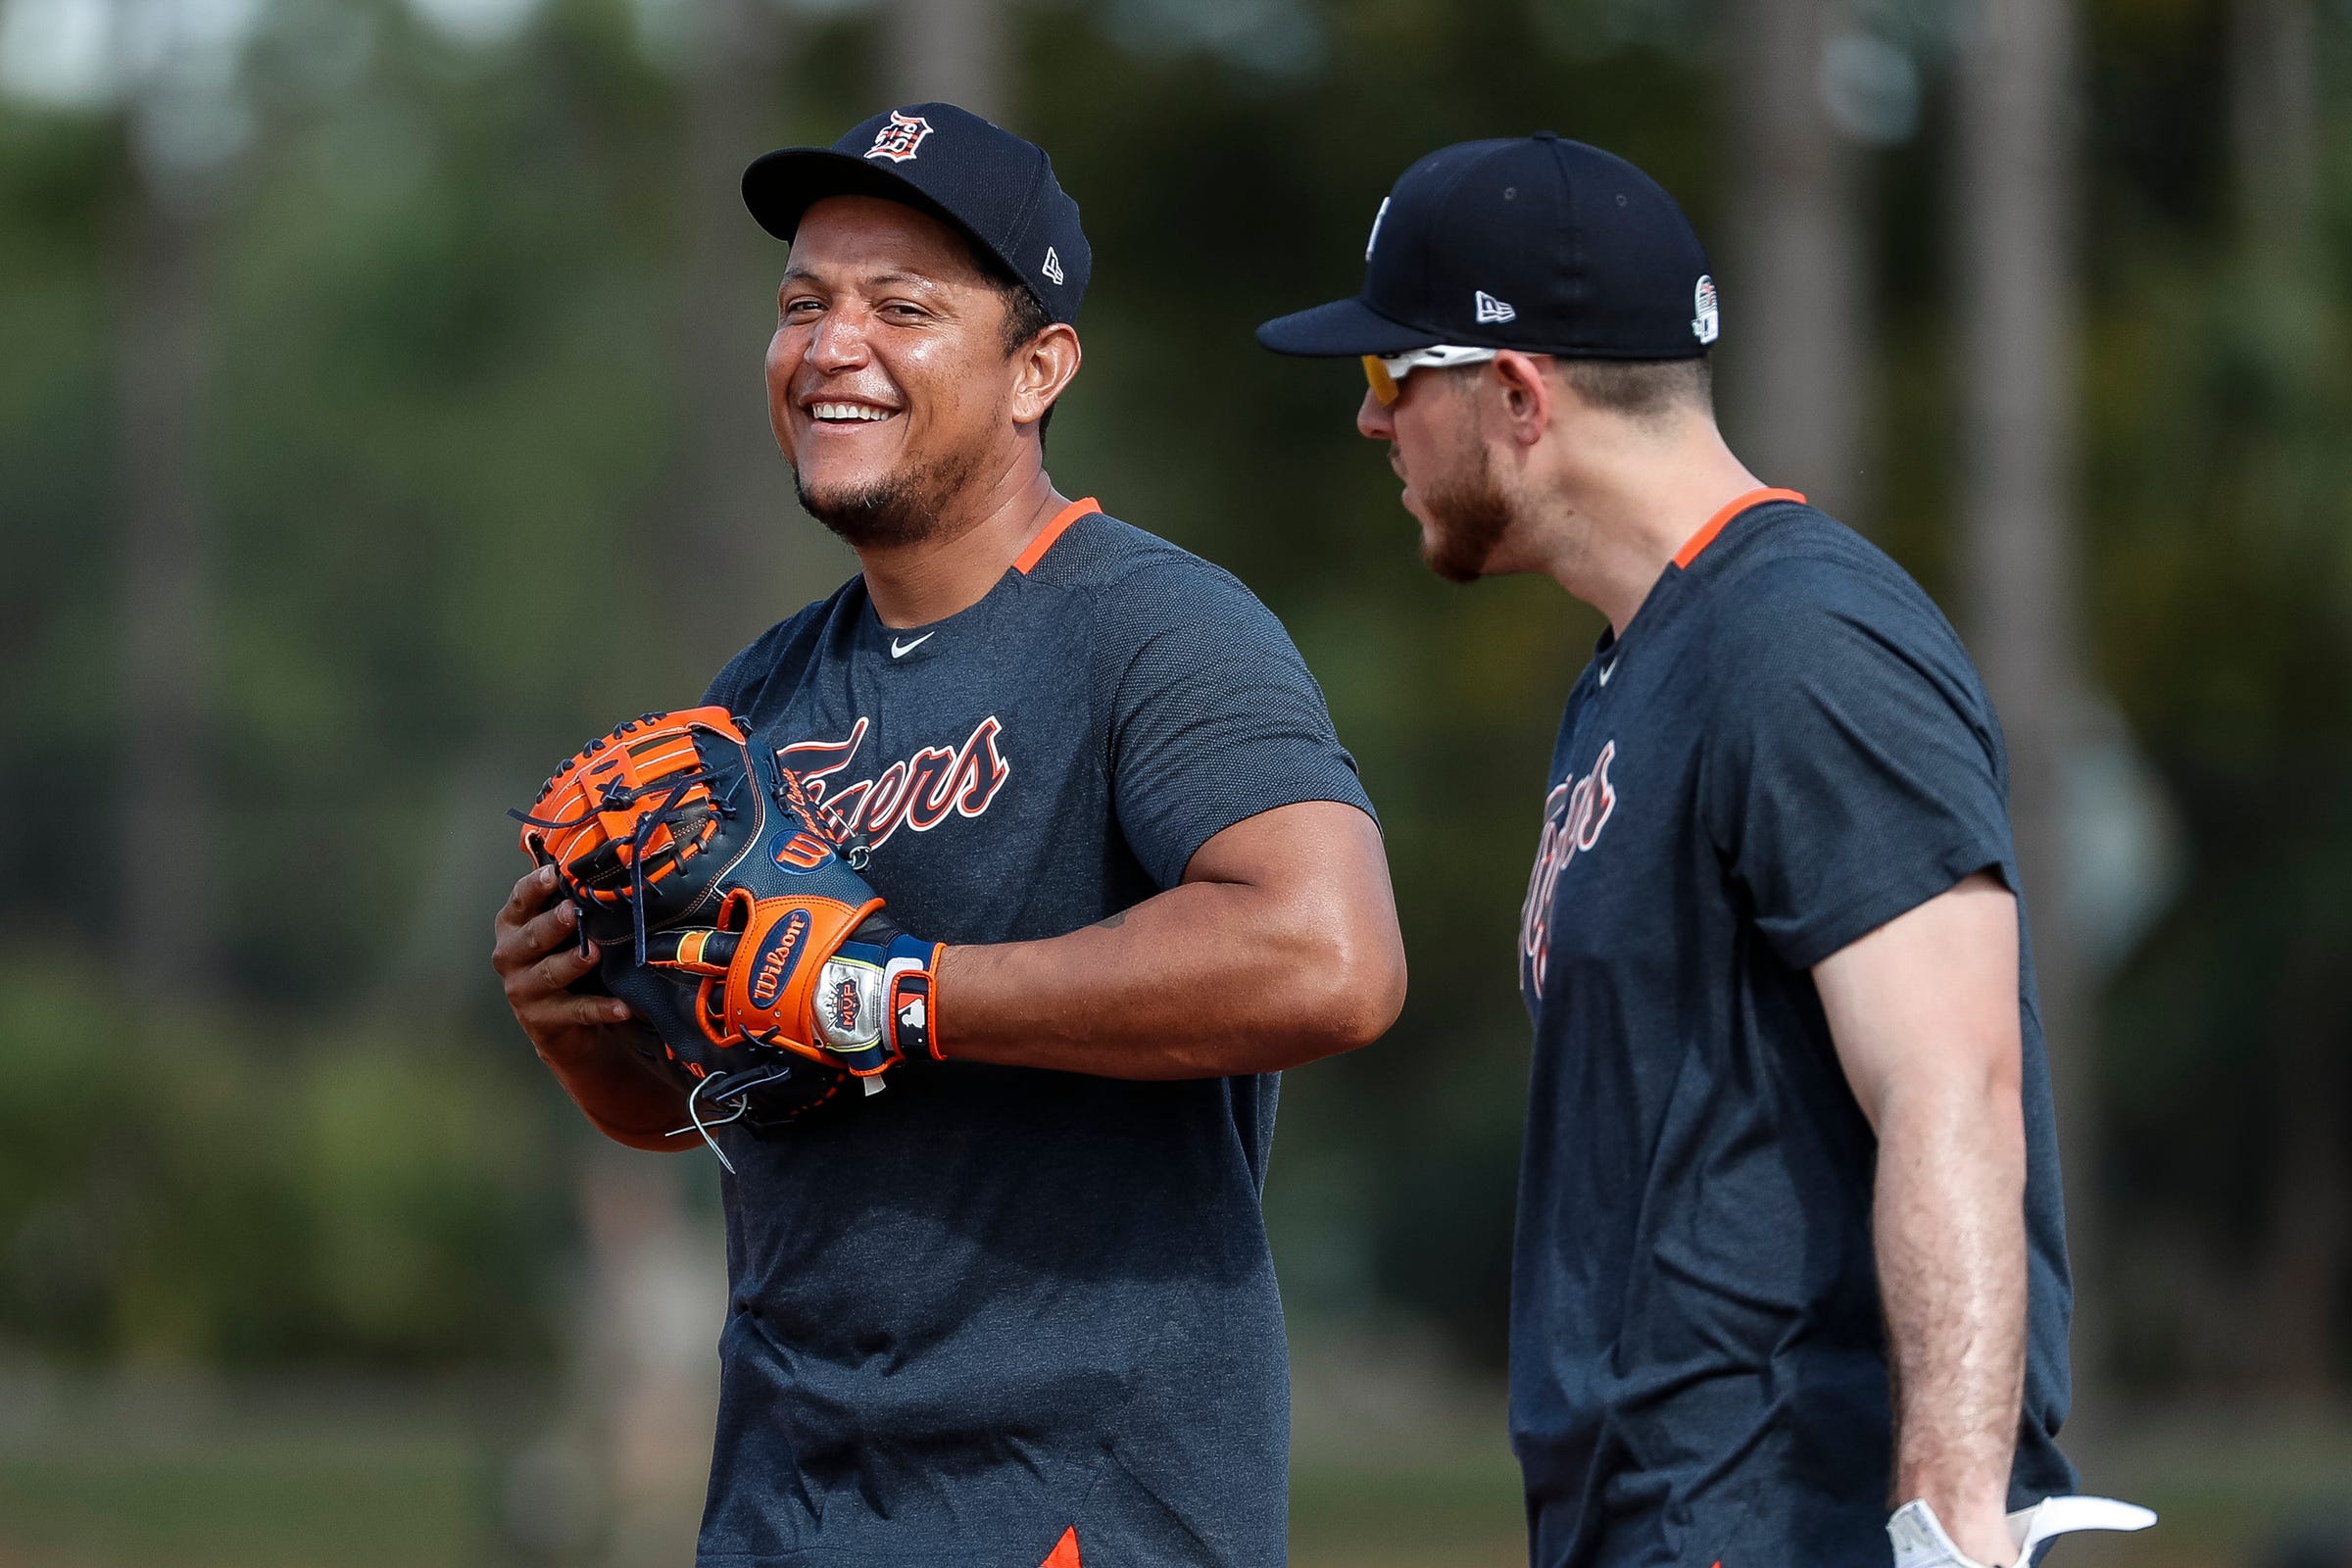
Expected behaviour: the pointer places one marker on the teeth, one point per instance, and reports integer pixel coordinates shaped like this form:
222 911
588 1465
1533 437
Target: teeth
848 411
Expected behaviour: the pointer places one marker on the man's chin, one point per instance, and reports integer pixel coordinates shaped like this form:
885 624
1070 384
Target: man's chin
902 507
1446 559
1463 549
1452 568
1462 526
872 515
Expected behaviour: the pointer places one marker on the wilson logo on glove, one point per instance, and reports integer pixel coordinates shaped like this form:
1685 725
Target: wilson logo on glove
733 918
778 956
802 851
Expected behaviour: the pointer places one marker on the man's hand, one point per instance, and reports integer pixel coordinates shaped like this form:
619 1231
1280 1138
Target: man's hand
537 951
587 1040
1921 1541
1924 1015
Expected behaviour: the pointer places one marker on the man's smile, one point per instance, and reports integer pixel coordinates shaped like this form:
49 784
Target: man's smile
845 412
848 413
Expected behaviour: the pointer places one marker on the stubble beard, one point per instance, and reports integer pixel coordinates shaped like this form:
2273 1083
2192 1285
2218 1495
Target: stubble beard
903 509
1468 516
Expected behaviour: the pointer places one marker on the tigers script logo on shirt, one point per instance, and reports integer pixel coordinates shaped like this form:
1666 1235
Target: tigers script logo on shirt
920 792
1574 813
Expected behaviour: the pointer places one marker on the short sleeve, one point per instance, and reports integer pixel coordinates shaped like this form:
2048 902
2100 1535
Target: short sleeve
1853 768
738 685
1214 718
726 688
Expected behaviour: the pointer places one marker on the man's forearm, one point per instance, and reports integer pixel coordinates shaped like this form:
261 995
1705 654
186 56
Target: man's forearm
1950 1236
622 1100
1200 981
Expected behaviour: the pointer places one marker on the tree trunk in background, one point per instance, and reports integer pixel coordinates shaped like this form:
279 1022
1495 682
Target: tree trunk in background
959 51
1794 356
2274 124
658 1298
739 553
2014 262
2273 94
165 599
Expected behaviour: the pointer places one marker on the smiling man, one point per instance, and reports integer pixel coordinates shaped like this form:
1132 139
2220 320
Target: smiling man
1019 1308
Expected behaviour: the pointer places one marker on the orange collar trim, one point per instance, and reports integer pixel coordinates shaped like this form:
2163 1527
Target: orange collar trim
1053 532
1699 541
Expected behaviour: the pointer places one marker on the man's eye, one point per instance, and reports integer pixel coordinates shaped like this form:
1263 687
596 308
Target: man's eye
798 306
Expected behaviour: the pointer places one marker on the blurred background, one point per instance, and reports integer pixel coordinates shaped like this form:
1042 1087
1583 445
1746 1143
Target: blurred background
358 356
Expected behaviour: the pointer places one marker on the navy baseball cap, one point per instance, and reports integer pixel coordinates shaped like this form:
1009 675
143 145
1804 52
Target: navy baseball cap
1532 243
950 163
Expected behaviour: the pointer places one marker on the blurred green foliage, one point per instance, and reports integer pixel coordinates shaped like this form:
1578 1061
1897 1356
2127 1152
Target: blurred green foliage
443 425
187 1188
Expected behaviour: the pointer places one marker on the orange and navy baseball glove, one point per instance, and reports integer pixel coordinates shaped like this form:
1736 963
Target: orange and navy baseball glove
732 919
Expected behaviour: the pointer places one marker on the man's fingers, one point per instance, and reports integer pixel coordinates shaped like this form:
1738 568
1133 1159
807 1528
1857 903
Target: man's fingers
531 891
556 971
542 934
586 1010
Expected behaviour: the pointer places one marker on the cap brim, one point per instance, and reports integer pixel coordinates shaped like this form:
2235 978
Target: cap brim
1342 330
780 187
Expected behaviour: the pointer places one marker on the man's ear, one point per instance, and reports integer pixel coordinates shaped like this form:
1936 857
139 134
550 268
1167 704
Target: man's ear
1530 398
1041 368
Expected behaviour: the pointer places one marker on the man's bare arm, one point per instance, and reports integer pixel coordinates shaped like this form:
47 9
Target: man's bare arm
1280 945
1924 1011
587 1042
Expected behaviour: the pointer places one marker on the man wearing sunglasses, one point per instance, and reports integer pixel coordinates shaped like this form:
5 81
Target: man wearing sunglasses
1788 1250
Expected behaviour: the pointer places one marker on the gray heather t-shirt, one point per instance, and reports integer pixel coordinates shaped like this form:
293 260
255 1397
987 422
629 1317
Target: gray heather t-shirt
1787 749
993 1305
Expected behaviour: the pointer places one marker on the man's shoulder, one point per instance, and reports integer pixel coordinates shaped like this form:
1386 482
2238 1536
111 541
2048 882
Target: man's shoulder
1810 614
1802 579
738 682
1110 559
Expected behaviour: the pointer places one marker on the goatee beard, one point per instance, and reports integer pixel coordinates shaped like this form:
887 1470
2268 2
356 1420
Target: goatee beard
1467 518
900 509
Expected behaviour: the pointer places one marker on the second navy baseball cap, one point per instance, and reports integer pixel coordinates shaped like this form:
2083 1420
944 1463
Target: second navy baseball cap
1534 243
984 180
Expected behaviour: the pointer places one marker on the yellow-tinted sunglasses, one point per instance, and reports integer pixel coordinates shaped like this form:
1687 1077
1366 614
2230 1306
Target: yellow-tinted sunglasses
1383 371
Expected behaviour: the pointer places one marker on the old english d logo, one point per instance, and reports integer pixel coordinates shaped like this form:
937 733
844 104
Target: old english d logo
897 140
778 955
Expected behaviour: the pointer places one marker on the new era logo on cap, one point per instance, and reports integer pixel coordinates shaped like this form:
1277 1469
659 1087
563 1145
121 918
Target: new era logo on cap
1488 307
1053 267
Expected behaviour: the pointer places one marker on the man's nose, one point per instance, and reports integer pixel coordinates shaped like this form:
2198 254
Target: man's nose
838 343
1372 419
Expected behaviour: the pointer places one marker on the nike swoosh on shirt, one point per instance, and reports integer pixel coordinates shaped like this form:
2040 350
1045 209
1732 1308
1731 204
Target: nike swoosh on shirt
900 650
1606 670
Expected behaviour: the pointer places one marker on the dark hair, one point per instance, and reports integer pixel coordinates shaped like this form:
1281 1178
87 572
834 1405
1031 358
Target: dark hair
1024 314
1641 389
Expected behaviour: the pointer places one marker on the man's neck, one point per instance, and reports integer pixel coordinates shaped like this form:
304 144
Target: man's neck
1627 520
913 585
